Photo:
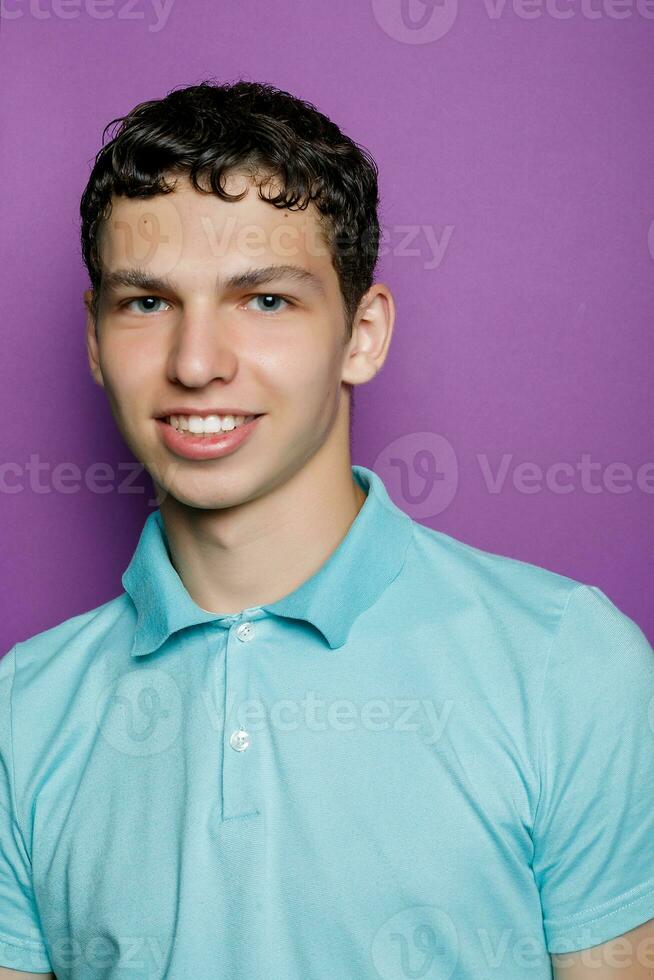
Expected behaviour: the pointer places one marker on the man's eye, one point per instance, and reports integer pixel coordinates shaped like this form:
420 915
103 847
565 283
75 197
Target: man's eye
269 302
143 299
267 307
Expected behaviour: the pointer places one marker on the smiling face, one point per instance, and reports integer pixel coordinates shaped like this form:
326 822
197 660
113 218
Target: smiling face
197 333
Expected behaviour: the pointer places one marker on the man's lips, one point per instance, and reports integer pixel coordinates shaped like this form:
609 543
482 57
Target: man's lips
204 412
197 446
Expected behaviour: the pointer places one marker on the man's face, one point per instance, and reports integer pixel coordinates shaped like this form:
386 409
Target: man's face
277 350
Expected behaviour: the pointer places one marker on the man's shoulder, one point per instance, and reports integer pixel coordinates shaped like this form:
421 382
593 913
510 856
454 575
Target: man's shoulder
501 582
82 632
521 610
475 564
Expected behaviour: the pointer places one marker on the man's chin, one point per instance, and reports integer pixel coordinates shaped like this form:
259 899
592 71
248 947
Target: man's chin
178 496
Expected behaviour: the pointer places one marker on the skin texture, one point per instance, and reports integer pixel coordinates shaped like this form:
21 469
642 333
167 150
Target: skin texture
250 527
627 957
6 974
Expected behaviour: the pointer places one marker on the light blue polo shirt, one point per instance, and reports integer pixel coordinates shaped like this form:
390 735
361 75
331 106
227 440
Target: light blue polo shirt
428 761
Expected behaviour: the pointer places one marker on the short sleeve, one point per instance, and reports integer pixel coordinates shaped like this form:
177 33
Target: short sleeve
593 830
22 946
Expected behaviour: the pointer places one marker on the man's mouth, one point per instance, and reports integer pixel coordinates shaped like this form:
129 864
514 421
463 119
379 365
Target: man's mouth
197 425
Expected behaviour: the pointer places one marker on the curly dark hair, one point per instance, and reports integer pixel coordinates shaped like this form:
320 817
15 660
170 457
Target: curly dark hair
205 131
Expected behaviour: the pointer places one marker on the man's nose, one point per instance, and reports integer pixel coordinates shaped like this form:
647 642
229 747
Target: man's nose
203 348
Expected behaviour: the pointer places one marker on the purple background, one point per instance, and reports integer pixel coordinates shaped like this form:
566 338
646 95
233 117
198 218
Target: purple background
523 140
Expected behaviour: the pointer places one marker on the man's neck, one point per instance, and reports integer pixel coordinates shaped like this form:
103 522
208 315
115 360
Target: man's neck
253 554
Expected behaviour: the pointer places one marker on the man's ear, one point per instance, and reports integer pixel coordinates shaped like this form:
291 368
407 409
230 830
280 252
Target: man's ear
92 340
372 329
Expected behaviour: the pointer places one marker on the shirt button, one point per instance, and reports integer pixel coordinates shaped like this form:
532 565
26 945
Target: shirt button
245 632
239 740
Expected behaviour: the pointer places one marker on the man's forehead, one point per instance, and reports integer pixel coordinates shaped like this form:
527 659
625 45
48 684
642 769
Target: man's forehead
195 205
141 229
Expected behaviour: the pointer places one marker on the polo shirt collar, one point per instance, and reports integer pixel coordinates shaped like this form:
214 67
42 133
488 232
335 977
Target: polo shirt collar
352 578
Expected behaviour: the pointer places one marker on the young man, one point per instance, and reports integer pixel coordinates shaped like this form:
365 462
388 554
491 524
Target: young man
312 738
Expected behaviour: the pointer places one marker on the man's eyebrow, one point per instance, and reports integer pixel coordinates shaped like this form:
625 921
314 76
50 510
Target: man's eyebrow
138 278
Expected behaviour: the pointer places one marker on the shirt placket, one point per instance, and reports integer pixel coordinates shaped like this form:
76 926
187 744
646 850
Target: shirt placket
242 736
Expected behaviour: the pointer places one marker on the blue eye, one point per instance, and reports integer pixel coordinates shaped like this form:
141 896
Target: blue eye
270 296
264 297
144 299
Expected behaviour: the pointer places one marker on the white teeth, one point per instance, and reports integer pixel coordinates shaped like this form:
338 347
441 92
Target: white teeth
196 424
